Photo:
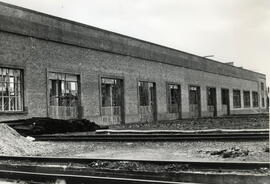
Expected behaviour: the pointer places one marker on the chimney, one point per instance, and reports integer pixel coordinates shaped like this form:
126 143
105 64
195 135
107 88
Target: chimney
230 63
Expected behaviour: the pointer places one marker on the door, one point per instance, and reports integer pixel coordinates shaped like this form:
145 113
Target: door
211 102
112 107
194 102
225 102
147 101
174 101
63 96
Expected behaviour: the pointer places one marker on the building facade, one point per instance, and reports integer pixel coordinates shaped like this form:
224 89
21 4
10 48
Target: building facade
52 67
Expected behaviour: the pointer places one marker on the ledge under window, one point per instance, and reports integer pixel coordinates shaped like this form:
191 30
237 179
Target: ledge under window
13 112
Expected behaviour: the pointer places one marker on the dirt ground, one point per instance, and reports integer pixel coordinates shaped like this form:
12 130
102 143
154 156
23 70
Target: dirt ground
187 150
12 143
242 122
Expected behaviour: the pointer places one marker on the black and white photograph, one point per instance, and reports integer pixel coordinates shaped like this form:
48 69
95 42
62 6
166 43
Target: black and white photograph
134 91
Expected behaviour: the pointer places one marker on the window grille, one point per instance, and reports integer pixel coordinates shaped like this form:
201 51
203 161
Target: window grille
11 90
111 96
63 89
236 99
246 99
173 98
255 98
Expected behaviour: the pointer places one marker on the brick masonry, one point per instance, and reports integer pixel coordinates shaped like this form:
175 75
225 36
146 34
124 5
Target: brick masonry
40 50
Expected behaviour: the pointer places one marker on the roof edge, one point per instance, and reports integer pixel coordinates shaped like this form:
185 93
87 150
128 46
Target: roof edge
122 35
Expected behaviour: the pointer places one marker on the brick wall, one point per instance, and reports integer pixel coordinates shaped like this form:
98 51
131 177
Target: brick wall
36 57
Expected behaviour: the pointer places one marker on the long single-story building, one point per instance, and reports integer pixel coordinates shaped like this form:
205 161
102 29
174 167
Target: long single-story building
52 67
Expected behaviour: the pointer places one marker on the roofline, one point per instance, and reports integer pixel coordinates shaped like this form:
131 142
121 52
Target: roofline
122 35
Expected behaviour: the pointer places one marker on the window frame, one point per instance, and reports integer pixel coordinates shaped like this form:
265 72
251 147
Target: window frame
244 99
24 109
68 72
199 88
262 94
138 91
112 76
240 101
257 102
215 99
155 95
168 95
65 87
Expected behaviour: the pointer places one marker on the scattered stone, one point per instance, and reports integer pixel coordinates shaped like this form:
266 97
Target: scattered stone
230 153
30 138
266 149
260 121
264 170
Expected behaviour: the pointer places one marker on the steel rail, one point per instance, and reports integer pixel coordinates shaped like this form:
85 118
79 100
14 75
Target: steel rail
157 137
68 178
191 164
38 168
53 168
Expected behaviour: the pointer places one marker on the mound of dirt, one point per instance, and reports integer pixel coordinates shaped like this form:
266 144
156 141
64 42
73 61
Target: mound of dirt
45 125
12 143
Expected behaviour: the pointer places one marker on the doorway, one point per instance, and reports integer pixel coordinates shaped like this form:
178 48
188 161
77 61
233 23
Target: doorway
147 101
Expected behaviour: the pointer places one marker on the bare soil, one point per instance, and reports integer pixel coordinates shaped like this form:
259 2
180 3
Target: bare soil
187 150
12 143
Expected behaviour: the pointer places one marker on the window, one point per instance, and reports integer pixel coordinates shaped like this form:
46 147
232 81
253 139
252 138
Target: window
211 96
255 100
63 89
236 98
246 99
111 95
262 92
11 90
145 93
224 96
193 95
173 98
263 101
111 92
262 86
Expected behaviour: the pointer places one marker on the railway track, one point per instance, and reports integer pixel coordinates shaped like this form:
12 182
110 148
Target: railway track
158 137
83 170
67 178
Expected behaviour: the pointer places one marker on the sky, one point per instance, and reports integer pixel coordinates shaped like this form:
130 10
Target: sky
232 30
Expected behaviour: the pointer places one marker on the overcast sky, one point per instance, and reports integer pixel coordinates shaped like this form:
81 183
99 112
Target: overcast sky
233 30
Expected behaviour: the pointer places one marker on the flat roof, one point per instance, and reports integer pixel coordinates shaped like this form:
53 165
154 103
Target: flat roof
39 25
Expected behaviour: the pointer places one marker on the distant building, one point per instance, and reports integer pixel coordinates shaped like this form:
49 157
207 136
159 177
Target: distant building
52 67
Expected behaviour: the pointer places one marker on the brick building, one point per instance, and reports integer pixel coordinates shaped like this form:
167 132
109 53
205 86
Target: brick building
52 67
